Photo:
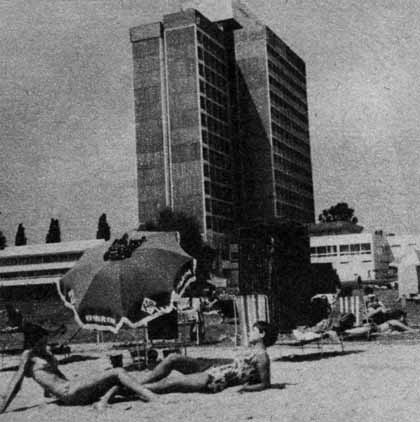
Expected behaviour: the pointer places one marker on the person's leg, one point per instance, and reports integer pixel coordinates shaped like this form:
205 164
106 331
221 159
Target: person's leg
183 364
104 400
398 325
91 389
191 383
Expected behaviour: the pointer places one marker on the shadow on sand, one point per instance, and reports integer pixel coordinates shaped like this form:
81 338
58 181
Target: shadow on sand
64 361
315 356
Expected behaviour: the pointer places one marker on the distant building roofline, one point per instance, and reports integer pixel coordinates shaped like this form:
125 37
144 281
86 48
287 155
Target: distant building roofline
334 227
50 248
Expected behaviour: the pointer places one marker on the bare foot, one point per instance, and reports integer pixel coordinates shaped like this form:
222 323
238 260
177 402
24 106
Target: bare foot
100 406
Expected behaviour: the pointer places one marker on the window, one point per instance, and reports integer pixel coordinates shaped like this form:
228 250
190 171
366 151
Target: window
344 249
355 249
322 251
365 248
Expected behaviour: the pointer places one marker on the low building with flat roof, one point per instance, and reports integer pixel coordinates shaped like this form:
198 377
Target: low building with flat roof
40 263
357 255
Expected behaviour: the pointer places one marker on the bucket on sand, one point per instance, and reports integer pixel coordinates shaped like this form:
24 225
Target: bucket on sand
116 360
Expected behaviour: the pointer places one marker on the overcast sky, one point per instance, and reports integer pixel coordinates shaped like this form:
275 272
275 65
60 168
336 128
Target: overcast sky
67 119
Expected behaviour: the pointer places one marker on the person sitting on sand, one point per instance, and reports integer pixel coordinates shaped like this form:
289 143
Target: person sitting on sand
376 310
39 364
251 370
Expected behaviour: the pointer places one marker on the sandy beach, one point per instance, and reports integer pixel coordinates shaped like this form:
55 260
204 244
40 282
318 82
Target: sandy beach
370 381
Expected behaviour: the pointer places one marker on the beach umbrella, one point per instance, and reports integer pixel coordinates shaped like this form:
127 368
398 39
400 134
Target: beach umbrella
132 281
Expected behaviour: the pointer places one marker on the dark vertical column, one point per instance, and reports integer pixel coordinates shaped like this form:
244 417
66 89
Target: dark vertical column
149 101
254 133
184 114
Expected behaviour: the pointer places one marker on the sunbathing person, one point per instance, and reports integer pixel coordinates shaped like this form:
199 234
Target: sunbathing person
39 364
389 326
251 370
393 325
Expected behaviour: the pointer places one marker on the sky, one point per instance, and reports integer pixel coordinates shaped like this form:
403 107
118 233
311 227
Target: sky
67 128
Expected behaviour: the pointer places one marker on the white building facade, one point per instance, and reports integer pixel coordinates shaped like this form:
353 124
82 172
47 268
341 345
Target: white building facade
357 255
40 263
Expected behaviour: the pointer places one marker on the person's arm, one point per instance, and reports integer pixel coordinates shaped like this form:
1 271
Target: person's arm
263 366
16 382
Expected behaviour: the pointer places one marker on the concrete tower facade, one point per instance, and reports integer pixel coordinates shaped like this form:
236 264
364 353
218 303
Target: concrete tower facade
221 122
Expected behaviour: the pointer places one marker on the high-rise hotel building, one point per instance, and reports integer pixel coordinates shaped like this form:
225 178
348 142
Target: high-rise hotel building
221 123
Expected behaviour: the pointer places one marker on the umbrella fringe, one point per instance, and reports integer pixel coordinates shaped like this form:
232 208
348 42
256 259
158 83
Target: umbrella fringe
124 320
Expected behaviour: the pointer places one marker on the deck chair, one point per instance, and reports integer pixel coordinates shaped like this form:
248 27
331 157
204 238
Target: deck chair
169 332
352 304
248 310
327 337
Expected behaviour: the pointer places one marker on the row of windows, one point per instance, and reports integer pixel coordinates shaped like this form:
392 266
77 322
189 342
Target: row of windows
279 102
219 208
213 109
293 194
211 76
284 118
290 55
280 146
281 174
213 207
291 154
292 212
351 249
291 125
217 191
213 93
214 125
217 159
284 164
277 71
217 175
33 274
292 197
216 142
220 225
281 135
285 134
293 183
286 64
212 62
40 259
287 93
210 45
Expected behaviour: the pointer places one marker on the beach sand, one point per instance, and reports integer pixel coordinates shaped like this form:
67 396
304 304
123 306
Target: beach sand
368 382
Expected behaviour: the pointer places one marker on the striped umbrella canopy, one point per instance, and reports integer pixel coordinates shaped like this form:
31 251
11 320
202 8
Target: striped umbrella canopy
130 281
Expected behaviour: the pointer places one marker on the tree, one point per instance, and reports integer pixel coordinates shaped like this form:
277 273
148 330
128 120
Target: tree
53 235
20 238
338 212
104 231
191 240
3 241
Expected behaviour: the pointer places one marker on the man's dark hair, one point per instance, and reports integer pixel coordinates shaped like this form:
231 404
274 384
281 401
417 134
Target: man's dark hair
270 331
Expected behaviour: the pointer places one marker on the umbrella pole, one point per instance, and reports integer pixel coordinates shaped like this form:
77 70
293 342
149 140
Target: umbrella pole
236 323
146 344
138 347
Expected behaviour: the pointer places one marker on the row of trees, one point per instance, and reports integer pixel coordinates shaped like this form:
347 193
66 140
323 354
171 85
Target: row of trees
169 220
54 233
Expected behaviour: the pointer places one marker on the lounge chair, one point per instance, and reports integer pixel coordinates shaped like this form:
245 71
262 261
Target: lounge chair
249 309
